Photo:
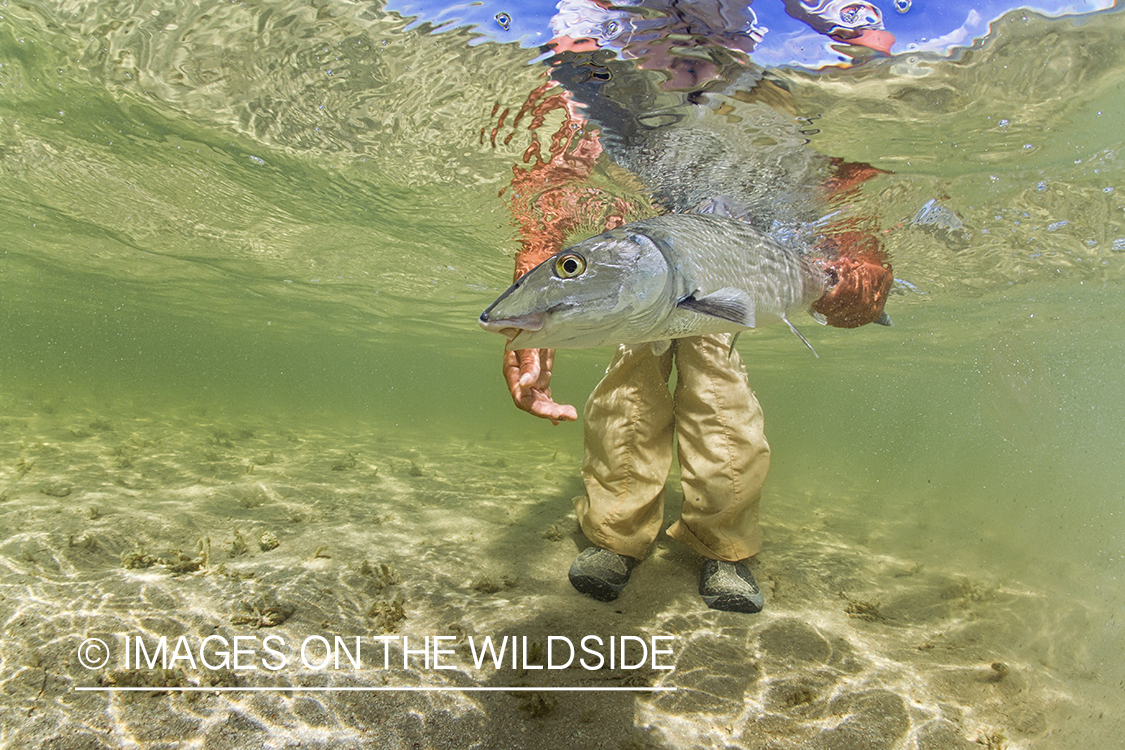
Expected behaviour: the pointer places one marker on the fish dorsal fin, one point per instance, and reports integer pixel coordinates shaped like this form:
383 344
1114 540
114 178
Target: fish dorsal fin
797 333
727 304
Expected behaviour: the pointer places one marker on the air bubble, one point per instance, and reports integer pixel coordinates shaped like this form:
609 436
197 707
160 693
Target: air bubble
504 20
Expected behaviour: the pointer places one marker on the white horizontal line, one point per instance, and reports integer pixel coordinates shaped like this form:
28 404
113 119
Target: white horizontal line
293 689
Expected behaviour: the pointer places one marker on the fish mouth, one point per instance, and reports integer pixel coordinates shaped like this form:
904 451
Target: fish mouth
511 328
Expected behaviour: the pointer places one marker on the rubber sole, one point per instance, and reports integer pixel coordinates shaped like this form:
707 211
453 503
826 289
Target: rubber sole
595 588
730 587
601 574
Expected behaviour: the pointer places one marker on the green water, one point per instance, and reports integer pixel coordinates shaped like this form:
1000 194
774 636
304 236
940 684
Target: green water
272 215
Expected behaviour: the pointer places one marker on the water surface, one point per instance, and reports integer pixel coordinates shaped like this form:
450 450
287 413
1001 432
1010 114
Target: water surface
242 252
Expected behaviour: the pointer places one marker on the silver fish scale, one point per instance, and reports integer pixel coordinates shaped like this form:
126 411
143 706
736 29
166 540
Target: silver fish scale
713 253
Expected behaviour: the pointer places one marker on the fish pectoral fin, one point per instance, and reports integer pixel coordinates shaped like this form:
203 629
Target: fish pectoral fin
659 347
727 304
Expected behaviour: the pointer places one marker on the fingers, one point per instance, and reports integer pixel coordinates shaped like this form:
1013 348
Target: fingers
535 367
528 375
548 409
512 374
546 364
530 370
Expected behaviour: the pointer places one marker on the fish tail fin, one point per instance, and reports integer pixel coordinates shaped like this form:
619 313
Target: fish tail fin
797 333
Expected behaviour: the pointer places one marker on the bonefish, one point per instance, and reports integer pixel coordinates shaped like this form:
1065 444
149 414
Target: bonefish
655 280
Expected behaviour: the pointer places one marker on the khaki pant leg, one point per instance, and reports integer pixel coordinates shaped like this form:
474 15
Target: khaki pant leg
723 452
628 435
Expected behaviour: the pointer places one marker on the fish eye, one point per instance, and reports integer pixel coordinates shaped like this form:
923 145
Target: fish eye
569 265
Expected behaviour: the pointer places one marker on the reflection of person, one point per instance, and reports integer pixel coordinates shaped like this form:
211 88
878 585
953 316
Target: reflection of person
593 24
853 22
713 417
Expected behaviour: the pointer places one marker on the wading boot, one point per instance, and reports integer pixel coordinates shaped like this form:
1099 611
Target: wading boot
601 574
730 586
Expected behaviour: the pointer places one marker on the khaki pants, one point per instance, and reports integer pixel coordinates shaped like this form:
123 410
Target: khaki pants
630 420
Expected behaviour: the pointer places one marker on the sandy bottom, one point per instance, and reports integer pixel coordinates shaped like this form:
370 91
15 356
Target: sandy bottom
190 526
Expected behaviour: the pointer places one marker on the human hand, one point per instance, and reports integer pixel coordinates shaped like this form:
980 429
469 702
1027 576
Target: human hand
528 375
861 289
